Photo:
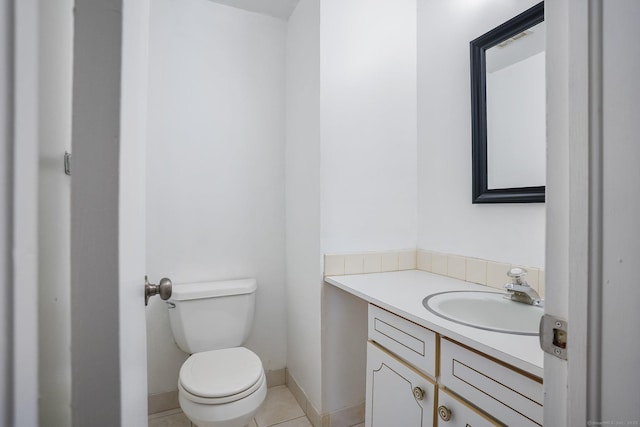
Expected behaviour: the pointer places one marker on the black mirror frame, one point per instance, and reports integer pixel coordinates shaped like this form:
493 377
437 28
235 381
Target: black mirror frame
480 190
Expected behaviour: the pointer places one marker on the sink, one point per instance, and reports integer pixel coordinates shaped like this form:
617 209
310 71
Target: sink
485 310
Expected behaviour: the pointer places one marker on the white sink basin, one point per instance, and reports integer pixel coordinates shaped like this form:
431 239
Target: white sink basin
485 310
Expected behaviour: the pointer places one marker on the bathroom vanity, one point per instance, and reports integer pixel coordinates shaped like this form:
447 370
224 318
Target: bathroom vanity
425 370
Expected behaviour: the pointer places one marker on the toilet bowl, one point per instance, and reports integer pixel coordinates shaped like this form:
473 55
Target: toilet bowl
222 388
221 384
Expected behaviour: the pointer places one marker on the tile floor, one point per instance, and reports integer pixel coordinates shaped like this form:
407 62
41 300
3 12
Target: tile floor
279 409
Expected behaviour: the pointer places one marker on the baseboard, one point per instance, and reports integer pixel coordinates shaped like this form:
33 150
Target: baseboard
346 417
276 377
162 402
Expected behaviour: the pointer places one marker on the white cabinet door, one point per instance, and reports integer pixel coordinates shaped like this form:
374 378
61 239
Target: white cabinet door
397 394
454 412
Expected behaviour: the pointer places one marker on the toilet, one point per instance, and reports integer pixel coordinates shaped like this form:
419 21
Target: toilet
221 384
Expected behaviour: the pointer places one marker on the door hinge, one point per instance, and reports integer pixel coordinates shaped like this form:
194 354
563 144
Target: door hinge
554 336
67 163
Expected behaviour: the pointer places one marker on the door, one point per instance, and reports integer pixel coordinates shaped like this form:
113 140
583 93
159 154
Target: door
132 213
593 210
397 395
109 372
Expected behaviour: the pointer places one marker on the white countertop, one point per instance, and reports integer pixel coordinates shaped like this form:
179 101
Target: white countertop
402 292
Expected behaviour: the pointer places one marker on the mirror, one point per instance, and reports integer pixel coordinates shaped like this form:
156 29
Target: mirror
508 111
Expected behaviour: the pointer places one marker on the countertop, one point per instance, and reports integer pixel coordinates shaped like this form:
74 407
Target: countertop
402 292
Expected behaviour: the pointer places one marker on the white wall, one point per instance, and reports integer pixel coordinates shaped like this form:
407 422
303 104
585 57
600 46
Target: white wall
54 188
447 220
215 166
302 166
368 163
344 349
368 125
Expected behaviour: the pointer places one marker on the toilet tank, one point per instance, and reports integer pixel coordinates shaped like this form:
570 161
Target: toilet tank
212 315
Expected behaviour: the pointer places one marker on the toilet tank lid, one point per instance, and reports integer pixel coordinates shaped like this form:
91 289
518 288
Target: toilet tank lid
189 291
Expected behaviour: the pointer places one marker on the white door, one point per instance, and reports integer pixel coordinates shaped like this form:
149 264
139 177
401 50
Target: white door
109 369
593 210
397 395
132 236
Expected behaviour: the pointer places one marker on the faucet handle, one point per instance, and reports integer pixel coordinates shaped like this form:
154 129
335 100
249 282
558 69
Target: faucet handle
516 275
519 290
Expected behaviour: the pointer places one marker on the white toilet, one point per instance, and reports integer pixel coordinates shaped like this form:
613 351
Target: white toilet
221 384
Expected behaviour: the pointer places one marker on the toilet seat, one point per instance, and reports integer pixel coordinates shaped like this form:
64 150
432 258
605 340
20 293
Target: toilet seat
221 376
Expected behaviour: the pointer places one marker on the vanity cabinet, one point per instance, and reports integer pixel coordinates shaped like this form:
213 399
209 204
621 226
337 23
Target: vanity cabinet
416 377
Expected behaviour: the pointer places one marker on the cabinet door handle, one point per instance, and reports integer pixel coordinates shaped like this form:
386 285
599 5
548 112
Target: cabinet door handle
418 393
444 412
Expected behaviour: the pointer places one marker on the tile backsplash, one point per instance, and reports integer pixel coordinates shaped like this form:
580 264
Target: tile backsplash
369 262
476 270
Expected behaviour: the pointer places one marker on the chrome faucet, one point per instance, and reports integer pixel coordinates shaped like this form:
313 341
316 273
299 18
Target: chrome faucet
519 290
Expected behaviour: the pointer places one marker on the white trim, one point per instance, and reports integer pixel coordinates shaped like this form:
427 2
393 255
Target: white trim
25 216
132 212
579 211
594 318
557 202
6 212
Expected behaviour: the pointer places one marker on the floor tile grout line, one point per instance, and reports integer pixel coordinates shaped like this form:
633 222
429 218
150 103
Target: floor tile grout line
286 421
166 413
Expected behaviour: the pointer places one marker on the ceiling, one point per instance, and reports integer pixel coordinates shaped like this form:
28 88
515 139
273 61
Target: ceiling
277 8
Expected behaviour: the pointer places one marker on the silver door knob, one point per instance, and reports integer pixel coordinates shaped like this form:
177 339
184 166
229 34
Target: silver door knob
163 289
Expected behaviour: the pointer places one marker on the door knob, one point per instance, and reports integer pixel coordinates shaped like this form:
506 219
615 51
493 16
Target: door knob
163 289
445 413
